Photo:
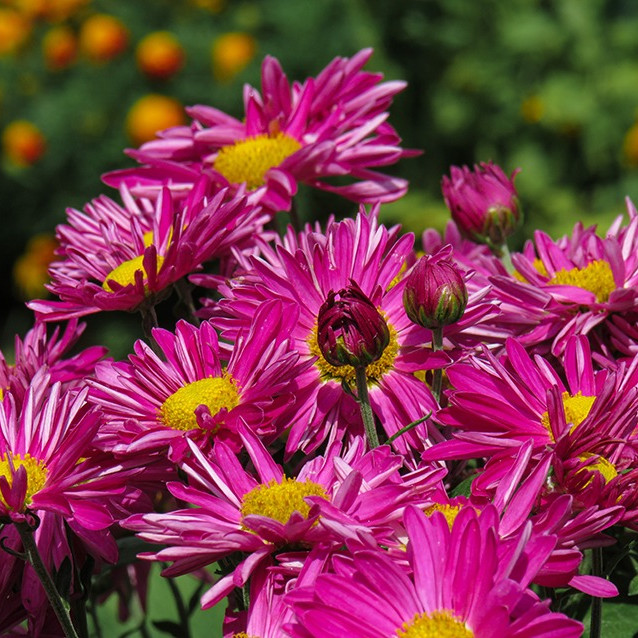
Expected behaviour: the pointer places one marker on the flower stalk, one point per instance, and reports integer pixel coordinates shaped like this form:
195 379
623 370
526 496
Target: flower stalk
364 405
35 560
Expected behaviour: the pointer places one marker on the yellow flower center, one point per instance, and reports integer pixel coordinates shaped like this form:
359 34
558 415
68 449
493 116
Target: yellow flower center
538 265
243 634
279 500
36 473
596 277
602 465
249 160
576 408
449 511
438 624
340 373
124 274
217 393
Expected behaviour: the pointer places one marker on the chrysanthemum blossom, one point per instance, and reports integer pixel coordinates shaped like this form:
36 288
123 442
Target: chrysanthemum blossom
43 457
151 402
331 126
333 499
305 270
582 280
115 257
40 348
461 582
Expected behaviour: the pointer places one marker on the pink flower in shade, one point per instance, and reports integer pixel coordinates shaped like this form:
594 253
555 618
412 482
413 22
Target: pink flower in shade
483 202
194 391
37 349
116 257
581 280
461 580
305 270
333 499
333 125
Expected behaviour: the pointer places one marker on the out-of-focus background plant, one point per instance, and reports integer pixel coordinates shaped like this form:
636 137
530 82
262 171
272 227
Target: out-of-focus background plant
551 88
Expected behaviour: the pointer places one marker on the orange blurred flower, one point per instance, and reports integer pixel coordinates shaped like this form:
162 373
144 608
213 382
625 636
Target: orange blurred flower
231 53
630 146
14 30
214 6
153 113
59 10
23 143
59 47
159 54
103 37
30 271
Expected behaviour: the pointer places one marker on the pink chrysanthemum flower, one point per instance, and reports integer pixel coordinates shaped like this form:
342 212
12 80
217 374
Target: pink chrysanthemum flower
583 280
333 125
461 581
116 257
305 270
37 349
499 404
193 390
331 500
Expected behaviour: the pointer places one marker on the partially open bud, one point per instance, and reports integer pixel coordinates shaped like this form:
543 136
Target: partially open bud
484 203
435 294
350 330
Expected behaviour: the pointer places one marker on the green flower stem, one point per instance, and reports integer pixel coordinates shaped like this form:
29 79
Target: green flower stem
506 258
149 321
437 374
364 405
596 617
35 560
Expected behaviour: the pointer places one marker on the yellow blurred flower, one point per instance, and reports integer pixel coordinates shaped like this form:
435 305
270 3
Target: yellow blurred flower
630 146
14 30
30 271
59 47
214 6
159 55
532 109
231 53
103 37
153 113
23 143
59 10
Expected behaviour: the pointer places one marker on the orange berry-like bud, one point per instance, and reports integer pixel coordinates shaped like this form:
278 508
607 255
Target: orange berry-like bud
103 37
159 55
630 146
153 113
23 143
59 47
30 271
14 30
231 53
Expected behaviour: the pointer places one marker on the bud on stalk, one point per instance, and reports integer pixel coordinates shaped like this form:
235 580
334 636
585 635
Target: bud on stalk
483 203
350 330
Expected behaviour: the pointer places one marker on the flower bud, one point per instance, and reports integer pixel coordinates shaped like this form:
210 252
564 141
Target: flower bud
484 203
350 330
435 294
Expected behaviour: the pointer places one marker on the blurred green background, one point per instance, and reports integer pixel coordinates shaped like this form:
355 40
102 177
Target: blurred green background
550 87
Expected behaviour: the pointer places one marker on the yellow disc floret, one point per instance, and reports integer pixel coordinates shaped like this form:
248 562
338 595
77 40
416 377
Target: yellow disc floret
438 624
449 511
124 274
217 393
597 277
576 407
374 371
278 500
36 473
600 465
249 160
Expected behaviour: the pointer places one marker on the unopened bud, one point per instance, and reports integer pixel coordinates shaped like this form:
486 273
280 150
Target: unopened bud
351 331
435 294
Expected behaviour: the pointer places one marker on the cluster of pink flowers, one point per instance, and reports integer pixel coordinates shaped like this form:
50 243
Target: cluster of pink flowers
366 434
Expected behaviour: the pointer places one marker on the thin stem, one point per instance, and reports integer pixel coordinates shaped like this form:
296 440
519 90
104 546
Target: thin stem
366 409
35 560
184 292
437 374
409 426
506 257
596 618
149 321
182 612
